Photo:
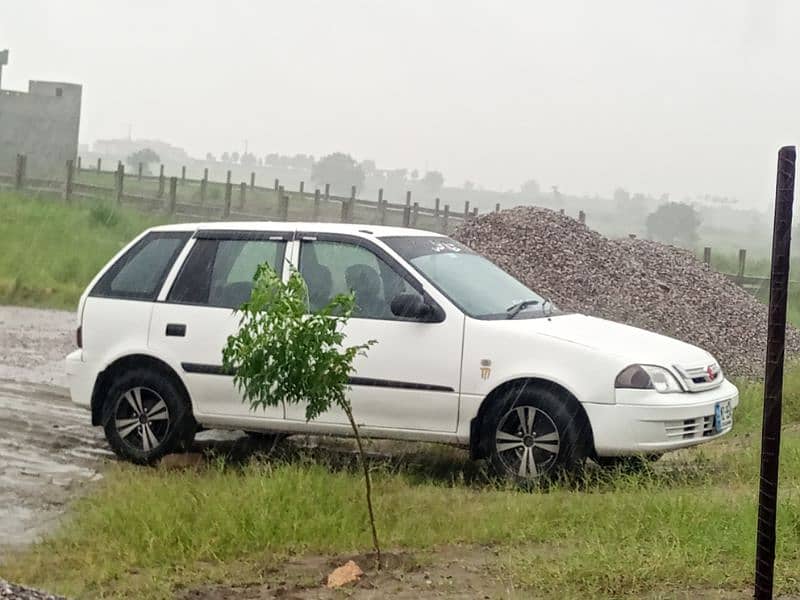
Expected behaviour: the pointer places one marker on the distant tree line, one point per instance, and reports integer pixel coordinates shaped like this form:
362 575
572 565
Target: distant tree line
248 159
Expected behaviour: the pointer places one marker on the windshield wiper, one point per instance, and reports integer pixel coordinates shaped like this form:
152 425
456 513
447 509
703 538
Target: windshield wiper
513 310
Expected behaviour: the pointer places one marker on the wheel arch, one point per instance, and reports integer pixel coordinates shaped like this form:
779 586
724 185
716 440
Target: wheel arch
125 363
478 442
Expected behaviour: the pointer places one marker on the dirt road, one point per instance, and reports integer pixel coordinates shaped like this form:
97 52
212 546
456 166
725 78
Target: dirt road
48 449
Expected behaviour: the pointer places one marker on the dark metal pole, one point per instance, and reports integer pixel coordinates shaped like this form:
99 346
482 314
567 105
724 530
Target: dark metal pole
773 379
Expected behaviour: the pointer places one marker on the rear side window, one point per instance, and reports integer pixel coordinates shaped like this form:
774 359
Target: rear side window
220 272
140 272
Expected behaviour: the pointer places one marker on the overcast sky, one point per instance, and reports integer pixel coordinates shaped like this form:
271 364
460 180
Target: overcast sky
656 96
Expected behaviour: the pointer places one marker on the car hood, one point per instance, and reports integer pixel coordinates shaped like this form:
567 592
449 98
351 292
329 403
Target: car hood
629 343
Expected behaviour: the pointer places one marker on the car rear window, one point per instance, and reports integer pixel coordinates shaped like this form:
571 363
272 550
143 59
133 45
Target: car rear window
219 272
140 272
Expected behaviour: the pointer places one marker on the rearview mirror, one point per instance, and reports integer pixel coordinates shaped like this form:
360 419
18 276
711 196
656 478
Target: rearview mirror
413 306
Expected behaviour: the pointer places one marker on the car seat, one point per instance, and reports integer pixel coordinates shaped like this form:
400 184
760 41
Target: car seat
317 277
365 283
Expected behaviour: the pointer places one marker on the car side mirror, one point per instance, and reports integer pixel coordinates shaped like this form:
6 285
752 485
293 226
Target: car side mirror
413 306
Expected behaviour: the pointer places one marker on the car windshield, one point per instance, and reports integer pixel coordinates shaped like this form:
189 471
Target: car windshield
474 284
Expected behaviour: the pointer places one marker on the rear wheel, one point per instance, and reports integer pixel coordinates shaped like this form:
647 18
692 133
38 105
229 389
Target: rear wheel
534 433
147 416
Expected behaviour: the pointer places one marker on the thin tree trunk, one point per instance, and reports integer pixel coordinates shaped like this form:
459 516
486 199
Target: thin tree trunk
349 412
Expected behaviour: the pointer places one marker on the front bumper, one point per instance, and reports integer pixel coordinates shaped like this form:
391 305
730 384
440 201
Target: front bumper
79 379
646 422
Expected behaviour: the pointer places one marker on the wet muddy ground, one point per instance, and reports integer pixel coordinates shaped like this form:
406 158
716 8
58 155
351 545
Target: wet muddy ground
48 450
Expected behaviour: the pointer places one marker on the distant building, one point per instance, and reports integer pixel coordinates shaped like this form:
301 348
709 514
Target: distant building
41 123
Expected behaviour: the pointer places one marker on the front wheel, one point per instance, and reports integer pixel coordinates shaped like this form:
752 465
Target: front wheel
534 433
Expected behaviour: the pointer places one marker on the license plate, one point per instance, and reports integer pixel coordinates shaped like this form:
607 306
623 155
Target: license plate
723 416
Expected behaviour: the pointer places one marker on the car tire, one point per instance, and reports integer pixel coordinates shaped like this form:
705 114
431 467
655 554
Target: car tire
147 415
535 433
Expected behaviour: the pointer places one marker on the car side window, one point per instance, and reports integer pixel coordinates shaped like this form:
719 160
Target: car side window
220 272
140 272
331 268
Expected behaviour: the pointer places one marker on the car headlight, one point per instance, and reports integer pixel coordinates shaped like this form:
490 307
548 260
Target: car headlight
648 377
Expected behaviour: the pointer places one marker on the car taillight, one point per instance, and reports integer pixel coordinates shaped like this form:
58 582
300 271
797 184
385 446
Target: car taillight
79 336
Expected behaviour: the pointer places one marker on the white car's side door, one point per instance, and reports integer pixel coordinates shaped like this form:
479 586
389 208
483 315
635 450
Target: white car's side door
196 315
410 378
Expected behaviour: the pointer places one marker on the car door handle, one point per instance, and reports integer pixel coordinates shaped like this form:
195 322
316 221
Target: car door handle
176 329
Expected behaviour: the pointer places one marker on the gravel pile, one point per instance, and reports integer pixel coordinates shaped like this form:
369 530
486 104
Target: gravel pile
9 591
638 282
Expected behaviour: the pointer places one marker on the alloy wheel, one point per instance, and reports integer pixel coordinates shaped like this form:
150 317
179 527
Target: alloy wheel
142 419
527 442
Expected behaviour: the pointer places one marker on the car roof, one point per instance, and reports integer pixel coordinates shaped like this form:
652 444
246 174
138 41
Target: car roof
362 230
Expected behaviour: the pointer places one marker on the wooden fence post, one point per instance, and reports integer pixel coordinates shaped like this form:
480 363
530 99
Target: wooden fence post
415 214
139 171
302 188
120 182
466 210
99 164
742 259
446 218
19 171
381 216
348 206
561 211
436 208
252 179
183 174
283 205
78 167
205 173
316 204
497 207
327 192
242 195
277 185
226 212
204 188
474 212
173 194
581 217
161 181
68 182
407 210
707 255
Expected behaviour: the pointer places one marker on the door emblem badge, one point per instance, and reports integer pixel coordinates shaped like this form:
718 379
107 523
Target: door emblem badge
486 368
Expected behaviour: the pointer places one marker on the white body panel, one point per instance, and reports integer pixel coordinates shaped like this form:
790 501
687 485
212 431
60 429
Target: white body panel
424 381
426 354
207 330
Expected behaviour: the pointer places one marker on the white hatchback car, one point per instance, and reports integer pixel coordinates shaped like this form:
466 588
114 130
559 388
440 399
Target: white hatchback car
466 354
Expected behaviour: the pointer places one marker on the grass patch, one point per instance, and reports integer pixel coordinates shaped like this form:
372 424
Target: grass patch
687 524
49 251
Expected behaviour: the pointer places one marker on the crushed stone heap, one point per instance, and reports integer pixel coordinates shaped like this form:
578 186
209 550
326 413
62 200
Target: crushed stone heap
637 282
